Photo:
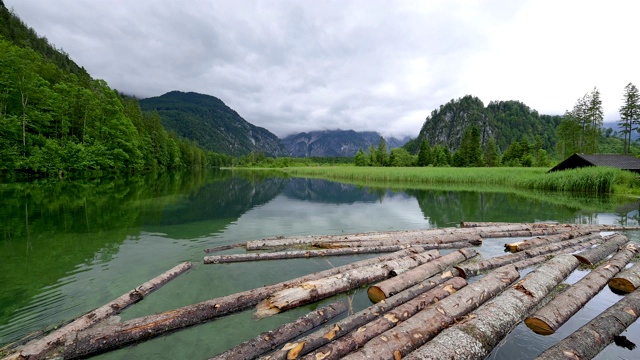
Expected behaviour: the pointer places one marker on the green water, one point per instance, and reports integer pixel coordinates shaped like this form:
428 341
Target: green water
66 248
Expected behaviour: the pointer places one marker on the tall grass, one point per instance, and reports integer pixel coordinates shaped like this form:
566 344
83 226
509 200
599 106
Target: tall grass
592 180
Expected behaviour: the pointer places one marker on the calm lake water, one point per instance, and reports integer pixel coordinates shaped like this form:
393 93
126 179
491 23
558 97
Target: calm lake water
67 248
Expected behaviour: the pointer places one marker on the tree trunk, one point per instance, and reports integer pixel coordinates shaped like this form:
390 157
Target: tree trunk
147 327
297 254
315 290
411 277
271 339
348 343
40 347
546 240
593 256
627 281
224 247
593 337
323 336
553 315
473 269
432 243
523 264
475 336
418 329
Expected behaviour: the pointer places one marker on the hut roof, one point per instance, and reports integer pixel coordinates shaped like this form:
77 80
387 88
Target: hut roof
620 161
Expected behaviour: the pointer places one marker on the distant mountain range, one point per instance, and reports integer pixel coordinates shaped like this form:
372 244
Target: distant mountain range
335 143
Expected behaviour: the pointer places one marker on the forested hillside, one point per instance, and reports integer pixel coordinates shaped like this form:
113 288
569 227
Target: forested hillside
215 126
334 143
55 120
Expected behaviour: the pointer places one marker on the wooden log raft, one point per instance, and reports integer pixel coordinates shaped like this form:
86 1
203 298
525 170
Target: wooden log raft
113 336
593 256
627 281
298 254
315 290
440 242
590 339
475 336
545 240
554 314
39 348
337 349
473 269
411 277
323 336
420 328
271 339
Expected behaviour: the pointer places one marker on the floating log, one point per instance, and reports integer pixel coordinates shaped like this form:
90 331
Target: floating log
427 244
411 277
315 290
224 247
627 281
523 264
420 328
590 339
298 254
475 336
545 240
271 339
39 348
554 314
113 336
593 256
337 349
323 336
473 269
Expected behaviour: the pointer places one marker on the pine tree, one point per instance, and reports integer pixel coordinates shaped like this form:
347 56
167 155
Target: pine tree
629 114
491 153
424 155
360 159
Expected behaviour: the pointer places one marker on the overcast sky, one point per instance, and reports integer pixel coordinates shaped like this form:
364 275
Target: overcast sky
293 66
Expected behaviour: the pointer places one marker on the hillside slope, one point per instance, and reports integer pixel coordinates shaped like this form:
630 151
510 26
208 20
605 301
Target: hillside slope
334 143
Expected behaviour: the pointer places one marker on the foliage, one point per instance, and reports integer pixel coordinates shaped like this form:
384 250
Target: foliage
629 114
581 127
424 155
360 159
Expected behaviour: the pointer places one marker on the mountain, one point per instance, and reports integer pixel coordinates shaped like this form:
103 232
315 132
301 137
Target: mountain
505 121
334 143
212 124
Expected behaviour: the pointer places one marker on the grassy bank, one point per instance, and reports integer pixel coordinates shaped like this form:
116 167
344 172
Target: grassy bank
593 180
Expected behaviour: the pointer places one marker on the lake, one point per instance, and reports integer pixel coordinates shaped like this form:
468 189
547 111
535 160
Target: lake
69 247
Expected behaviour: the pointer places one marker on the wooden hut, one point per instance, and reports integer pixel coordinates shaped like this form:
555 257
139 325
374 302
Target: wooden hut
620 161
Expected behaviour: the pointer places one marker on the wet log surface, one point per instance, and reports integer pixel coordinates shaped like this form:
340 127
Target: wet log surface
545 240
595 255
627 281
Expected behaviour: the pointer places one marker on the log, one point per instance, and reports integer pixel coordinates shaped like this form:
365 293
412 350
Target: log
545 240
593 256
523 264
589 340
337 349
271 339
39 348
411 277
334 331
224 247
477 335
315 290
627 281
473 240
420 328
298 254
473 269
553 315
135 330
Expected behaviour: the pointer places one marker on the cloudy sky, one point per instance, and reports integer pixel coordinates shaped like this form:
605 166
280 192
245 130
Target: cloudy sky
302 65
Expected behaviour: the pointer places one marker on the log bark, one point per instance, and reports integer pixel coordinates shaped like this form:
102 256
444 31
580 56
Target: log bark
427 244
147 327
411 277
627 281
323 336
553 315
337 349
477 335
546 240
589 340
420 328
39 348
224 247
315 290
473 269
595 255
271 339
298 254
523 264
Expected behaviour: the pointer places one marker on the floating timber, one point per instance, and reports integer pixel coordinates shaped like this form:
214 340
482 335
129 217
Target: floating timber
425 308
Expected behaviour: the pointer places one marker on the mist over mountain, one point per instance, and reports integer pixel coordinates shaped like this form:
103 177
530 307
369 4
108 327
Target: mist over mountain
335 143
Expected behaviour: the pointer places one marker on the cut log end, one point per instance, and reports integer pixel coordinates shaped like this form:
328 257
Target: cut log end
538 326
460 271
264 309
376 294
620 285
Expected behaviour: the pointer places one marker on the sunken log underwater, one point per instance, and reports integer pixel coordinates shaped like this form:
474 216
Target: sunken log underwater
432 294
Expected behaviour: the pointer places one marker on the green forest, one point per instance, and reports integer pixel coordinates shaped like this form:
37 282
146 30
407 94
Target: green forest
55 120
